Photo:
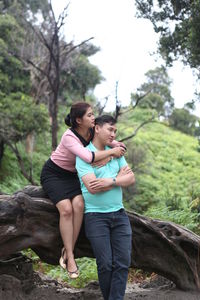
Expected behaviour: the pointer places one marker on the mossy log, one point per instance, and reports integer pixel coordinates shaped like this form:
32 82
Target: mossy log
28 219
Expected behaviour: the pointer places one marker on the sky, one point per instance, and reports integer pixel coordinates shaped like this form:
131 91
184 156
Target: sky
127 46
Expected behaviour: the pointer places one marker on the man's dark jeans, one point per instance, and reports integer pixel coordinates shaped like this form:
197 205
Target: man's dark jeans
110 235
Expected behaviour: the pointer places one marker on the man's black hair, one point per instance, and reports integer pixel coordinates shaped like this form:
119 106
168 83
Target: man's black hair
101 120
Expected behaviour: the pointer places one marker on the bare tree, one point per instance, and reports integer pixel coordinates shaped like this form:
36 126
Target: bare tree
117 103
100 107
119 111
53 56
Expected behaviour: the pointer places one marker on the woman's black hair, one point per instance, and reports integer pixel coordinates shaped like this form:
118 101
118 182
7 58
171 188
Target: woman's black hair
77 111
67 120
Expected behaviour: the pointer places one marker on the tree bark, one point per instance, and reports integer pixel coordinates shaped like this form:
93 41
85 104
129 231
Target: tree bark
29 220
1 149
30 141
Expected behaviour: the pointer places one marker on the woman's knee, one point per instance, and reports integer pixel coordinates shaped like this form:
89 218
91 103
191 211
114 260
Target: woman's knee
65 209
78 204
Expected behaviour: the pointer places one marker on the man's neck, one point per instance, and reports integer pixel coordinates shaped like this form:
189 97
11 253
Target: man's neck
98 144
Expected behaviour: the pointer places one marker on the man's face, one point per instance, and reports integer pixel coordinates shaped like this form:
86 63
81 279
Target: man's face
106 133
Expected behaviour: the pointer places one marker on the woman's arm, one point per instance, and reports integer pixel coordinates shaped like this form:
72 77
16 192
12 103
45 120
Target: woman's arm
117 144
104 161
113 152
73 144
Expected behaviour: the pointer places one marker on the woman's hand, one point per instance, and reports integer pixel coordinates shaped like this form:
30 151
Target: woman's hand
118 151
120 144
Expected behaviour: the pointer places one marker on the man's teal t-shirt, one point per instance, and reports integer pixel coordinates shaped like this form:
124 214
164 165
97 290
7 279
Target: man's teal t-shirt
103 202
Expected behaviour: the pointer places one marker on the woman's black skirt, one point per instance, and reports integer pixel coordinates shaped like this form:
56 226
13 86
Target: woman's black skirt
58 183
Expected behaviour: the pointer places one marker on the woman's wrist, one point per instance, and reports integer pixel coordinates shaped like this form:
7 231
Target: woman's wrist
111 152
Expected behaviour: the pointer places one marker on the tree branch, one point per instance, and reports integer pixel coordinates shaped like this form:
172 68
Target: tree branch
21 163
138 128
138 99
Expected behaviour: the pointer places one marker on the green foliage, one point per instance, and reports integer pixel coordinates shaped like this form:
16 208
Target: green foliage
13 76
21 116
7 25
183 120
83 77
11 179
28 41
87 268
89 49
167 170
155 92
178 23
24 6
185 217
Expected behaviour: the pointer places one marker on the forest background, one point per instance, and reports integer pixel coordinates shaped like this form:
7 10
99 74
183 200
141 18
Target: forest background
41 75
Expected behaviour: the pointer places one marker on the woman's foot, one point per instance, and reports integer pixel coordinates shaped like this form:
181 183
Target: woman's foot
72 268
63 259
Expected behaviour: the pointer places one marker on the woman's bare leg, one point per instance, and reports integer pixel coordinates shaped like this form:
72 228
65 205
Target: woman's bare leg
78 209
66 230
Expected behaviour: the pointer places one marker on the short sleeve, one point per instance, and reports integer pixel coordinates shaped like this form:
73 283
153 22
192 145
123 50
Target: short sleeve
122 162
83 168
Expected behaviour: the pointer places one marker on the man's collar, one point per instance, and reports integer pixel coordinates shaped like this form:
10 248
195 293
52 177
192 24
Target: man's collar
93 146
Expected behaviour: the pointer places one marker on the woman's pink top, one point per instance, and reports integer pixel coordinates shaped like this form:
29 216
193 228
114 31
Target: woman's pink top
65 154
70 146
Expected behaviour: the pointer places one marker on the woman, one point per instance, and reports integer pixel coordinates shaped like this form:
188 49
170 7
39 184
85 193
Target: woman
60 181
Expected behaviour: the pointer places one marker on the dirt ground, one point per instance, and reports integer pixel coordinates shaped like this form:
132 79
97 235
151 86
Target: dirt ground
18 281
44 288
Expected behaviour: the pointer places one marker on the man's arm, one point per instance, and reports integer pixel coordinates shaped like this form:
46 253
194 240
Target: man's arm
95 185
125 177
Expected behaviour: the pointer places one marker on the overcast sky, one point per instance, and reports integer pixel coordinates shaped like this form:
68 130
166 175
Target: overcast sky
127 46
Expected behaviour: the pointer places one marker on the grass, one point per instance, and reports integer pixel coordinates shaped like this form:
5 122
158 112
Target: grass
87 268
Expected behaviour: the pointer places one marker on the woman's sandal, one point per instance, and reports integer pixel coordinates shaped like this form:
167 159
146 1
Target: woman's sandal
63 260
63 264
73 274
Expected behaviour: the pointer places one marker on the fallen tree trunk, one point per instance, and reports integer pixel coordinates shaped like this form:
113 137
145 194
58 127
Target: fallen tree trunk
29 220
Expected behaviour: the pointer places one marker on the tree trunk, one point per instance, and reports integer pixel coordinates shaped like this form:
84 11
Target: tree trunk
30 140
53 110
29 219
1 150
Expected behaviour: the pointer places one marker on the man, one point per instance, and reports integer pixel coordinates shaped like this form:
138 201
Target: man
106 223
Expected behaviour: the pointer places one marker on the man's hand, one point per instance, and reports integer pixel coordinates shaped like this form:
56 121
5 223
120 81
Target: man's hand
100 184
125 177
124 171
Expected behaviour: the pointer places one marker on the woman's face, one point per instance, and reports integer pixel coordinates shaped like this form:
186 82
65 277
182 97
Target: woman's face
88 119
